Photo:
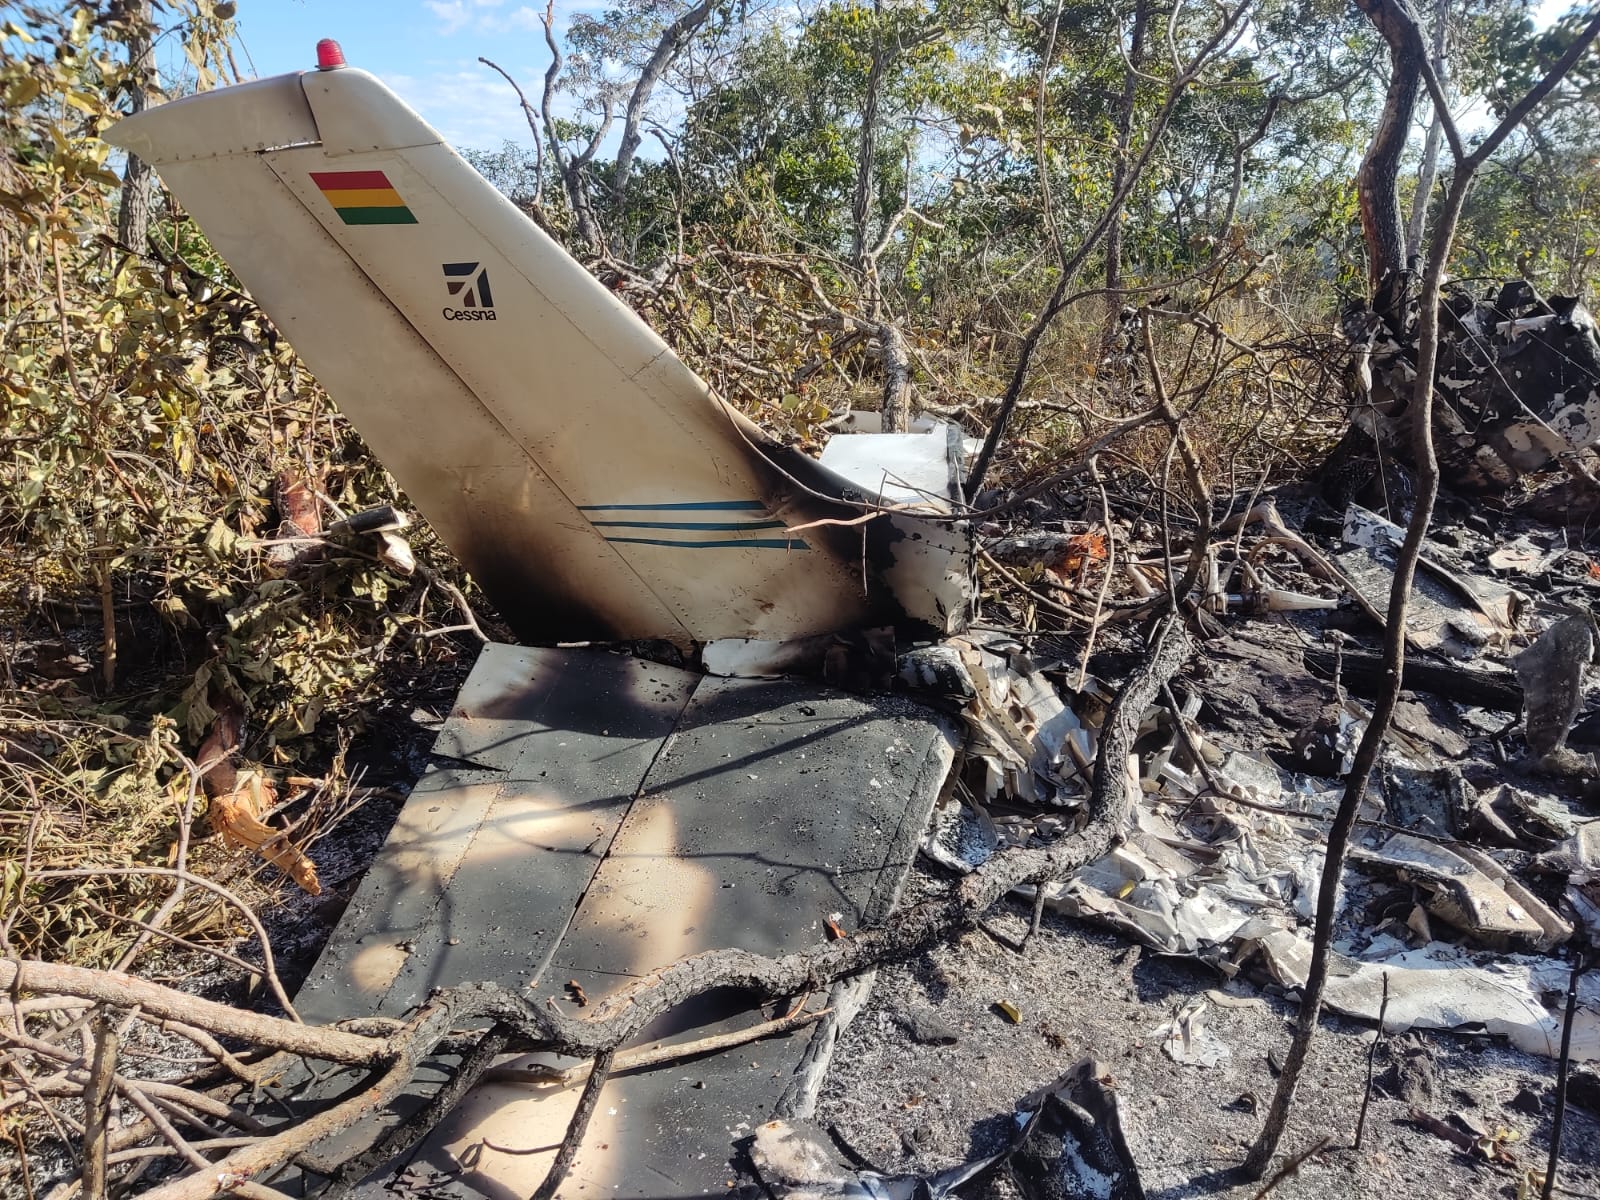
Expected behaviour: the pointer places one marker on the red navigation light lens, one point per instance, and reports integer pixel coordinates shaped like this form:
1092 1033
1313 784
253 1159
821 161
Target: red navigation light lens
329 56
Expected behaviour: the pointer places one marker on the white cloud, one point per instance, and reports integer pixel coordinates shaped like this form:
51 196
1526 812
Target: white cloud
486 17
452 12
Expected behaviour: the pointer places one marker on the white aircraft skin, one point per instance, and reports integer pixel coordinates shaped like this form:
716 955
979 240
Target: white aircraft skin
584 475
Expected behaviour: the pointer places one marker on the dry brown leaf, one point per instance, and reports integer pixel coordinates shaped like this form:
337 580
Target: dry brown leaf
236 815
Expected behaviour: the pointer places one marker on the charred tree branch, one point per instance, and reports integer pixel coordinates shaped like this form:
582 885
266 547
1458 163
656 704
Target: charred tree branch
623 1015
1394 646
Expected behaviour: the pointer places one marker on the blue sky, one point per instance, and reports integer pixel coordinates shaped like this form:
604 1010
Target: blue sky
426 50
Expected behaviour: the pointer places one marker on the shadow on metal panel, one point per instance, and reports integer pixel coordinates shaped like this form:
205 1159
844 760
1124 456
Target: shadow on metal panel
599 818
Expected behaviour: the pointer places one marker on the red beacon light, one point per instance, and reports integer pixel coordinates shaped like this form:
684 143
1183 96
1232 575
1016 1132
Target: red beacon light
329 56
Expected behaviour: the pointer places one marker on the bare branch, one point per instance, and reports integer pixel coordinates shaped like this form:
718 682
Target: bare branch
126 991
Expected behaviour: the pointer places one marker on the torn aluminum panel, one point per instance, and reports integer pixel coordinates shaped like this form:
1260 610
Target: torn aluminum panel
600 817
1180 895
1187 1037
1033 746
1239 897
1469 891
1451 610
589 480
1073 1140
1439 986
795 1161
1579 859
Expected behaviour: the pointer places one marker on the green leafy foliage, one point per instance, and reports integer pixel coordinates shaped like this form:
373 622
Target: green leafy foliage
148 407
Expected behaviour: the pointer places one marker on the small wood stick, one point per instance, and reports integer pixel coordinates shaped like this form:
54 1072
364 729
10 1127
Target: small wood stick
587 1102
1372 1055
1559 1119
1292 1167
97 1107
647 1057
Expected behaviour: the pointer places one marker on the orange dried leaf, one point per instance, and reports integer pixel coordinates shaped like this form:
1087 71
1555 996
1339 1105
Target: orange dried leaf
236 816
1082 550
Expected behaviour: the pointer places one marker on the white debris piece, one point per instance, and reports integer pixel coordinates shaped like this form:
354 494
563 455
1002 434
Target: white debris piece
1188 1039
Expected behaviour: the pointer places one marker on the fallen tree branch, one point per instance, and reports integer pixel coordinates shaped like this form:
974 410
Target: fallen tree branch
623 1015
97 1107
1363 673
645 1058
126 991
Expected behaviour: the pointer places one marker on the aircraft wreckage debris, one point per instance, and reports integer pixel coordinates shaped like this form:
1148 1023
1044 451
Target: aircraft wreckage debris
593 817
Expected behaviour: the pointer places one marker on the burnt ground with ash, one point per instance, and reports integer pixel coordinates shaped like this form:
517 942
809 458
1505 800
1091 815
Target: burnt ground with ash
911 1107
929 1073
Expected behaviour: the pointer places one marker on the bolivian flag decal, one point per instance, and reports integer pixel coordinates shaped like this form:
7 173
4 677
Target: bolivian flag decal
363 197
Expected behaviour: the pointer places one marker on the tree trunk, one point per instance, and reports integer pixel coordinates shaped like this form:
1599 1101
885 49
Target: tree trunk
896 408
673 39
867 153
1428 172
1119 169
133 215
1379 179
569 166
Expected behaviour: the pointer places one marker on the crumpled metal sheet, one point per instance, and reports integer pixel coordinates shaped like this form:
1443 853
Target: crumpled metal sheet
1516 382
1187 1037
1440 986
1195 900
1579 859
1470 891
1452 610
1235 885
795 1161
1035 748
1072 1142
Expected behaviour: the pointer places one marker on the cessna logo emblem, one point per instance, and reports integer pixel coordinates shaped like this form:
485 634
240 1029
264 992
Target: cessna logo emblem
469 284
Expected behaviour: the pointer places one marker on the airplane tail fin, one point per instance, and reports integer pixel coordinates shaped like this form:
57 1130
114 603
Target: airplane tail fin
583 474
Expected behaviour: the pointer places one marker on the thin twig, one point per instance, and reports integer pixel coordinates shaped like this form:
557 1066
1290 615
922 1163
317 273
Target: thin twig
269 965
1036 597
1372 1058
180 863
468 617
1557 1122
1292 1167
645 1058
1105 578
97 1095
